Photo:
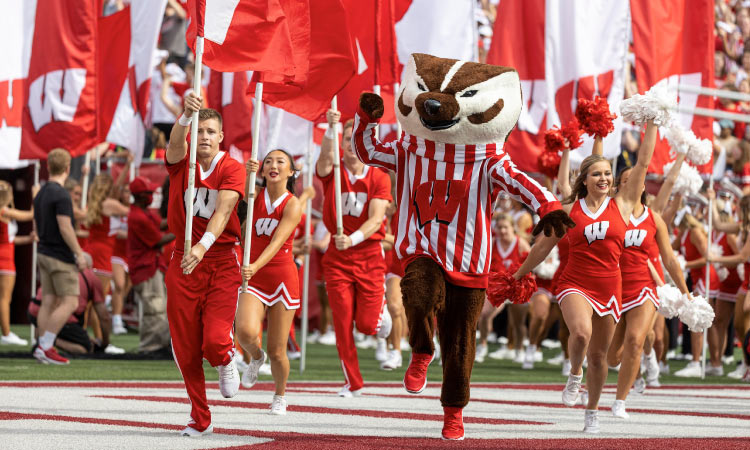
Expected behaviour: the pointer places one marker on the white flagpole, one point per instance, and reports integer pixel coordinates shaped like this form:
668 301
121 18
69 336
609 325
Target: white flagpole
193 146
257 109
306 263
376 90
85 180
33 254
337 175
98 159
398 124
708 273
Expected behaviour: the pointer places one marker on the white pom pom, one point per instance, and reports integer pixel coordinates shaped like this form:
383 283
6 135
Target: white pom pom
679 138
722 272
688 181
741 271
696 314
670 300
547 268
656 104
682 261
700 151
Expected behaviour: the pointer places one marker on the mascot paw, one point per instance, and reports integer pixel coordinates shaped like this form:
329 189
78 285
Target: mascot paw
559 221
371 104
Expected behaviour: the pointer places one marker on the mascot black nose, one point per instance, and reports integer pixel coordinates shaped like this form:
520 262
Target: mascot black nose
432 106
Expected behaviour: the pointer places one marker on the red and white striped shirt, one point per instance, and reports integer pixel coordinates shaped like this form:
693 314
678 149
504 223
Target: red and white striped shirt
445 194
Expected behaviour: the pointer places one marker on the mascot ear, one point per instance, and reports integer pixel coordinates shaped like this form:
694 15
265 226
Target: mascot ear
371 104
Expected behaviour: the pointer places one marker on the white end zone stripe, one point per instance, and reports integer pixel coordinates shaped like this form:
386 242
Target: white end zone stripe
612 307
217 18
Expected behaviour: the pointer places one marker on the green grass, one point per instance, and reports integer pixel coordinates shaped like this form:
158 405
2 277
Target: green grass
322 365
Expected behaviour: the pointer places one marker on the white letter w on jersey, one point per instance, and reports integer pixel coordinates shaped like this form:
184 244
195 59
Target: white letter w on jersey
204 203
265 226
596 231
634 238
352 203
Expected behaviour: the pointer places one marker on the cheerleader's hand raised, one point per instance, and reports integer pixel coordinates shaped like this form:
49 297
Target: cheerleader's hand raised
248 272
251 166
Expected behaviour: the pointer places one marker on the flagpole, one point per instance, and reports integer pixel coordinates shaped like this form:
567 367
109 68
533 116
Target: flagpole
257 109
193 147
34 253
98 159
708 272
398 124
306 263
337 174
85 180
376 90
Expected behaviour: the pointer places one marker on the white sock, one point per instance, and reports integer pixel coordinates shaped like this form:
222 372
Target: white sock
47 340
531 348
117 319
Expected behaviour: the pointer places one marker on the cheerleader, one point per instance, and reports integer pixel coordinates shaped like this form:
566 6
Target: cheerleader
122 284
394 300
590 287
9 216
272 277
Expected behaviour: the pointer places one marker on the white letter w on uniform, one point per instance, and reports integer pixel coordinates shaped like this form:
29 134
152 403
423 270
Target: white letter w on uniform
634 238
596 231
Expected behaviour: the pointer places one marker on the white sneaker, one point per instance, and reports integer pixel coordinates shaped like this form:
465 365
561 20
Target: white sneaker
386 324
614 368
481 353
557 360
313 337
737 373
670 355
653 383
393 361
519 356
572 390
367 342
192 432
436 353
639 387
538 356
728 359
528 358
13 339
663 368
618 409
381 350
327 338
501 353
278 405
652 368
120 329
114 350
250 377
265 369
551 343
492 338
405 347
591 421
241 364
716 371
566 368
291 356
346 393
229 379
692 370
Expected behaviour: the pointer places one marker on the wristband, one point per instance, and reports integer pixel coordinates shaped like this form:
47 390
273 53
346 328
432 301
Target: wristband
207 240
184 120
330 133
357 237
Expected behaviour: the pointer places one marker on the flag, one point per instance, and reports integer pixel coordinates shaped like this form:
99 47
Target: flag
684 55
226 94
445 28
242 35
59 75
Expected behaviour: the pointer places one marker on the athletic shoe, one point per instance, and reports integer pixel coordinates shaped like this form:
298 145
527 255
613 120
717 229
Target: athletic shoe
557 360
639 387
584 397
571 393
653 383
229 379
453 424
652 368
492 338
436 353
49 356
591 421
566 368
327 338
293 355
671 354
538 357
114 350
278 405
415 378
250 377
746 378
241 364
502 340
716 371
394 360
528 358
346 393
367 342
381 350
693 369
265 369
519 357
192 432
614 368
618 409
737 373
313 337
728 359
119 329
481 353
386 324
13 339
663 368
405 347
501 353
643 362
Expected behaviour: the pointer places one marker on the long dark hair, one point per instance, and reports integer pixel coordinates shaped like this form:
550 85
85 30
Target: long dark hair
618 181
292 180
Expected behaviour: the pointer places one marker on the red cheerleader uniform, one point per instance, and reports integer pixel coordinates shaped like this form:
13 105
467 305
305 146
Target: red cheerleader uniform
729 286
698 274
593 269
8 232
503 259
119 252
638 285
101 246
277 281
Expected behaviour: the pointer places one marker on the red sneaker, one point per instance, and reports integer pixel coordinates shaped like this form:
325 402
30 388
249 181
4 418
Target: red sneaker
415 378
49 356
453 424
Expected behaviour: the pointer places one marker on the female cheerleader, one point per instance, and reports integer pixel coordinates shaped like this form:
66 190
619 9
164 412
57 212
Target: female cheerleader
590 288
394 300
272 277
9 215
122 285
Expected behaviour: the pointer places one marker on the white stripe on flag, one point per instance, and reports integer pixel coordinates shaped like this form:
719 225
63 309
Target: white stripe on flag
218 17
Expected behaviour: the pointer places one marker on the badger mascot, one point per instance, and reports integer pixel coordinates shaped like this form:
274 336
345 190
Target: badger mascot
450 166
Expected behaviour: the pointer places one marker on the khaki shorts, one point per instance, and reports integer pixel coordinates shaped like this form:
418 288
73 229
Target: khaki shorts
58 278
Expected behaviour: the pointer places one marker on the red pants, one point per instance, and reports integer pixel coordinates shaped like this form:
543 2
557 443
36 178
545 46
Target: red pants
201 308
356 294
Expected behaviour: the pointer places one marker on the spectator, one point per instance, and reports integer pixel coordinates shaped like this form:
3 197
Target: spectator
172 36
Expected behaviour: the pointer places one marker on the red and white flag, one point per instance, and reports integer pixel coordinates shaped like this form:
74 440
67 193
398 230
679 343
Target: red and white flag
445 28
674 41
226 94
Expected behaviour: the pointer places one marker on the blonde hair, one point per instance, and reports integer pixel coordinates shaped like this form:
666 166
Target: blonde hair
100 189
58 161
744 213
579 186
6 194
689 222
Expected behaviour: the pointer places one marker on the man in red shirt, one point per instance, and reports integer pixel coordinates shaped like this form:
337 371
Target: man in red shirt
354 264
147 268
202 295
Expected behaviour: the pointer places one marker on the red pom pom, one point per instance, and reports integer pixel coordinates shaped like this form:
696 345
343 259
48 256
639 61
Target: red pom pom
549 163
503 287
572 132
553 140
595 117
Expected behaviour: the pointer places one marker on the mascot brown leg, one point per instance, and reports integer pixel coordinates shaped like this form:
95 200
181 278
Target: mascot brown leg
423 291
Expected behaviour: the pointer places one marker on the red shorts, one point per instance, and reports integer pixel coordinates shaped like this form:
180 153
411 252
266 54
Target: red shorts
393 265
101 254
730 286
636 294
119 253
277 282
604 294
7 259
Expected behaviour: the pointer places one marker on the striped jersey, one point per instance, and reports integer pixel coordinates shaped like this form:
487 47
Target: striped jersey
445 194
